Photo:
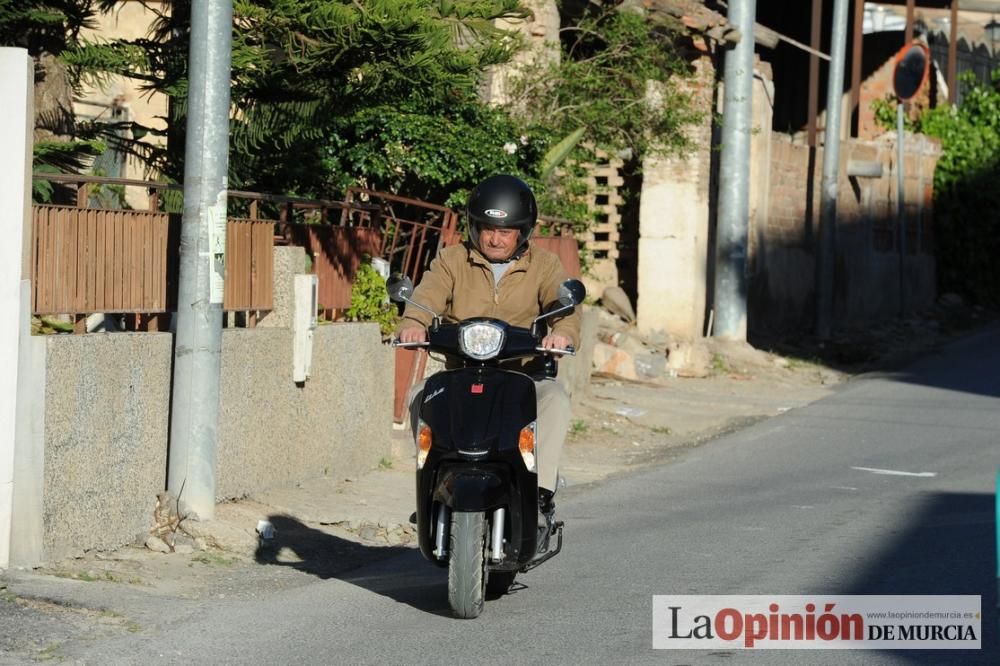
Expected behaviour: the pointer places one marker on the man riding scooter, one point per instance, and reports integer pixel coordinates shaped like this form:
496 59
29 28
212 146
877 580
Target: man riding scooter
498 274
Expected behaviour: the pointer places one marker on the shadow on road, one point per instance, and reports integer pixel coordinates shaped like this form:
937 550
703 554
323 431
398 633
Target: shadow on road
947 364
947 546
407 579
958 372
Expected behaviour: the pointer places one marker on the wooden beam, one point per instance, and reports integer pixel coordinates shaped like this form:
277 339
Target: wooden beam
817 16
953 55
910 8
856 55
765 36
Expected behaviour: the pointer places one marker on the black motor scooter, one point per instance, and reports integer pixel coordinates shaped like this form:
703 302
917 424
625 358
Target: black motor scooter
477 481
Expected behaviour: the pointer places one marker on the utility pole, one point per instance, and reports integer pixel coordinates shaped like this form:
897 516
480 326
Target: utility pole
831 171
198 341
734 178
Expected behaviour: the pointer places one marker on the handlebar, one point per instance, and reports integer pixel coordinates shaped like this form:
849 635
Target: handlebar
568 351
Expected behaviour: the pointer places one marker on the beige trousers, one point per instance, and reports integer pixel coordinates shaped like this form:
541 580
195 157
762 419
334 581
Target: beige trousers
553 424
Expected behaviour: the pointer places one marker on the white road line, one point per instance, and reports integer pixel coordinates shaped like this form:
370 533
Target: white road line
894 472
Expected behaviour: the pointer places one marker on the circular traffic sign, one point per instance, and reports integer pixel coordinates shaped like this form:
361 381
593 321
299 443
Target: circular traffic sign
913 63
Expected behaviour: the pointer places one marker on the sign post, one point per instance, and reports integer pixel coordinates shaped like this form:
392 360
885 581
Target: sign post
908 77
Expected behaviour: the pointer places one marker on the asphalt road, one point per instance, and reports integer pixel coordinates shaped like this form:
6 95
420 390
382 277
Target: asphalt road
778 508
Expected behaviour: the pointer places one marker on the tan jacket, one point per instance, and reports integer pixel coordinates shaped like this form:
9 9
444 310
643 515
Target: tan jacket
459 284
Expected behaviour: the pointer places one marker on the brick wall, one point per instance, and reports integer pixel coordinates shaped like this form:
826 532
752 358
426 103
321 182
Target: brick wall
782 263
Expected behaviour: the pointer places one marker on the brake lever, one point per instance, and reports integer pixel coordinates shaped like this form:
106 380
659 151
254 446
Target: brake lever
409 345
569 351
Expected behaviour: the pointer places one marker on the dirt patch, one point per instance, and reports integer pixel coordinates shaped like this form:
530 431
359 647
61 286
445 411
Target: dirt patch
624 425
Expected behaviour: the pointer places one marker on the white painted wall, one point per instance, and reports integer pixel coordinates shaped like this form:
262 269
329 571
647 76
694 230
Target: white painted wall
673 247
673 230
16 135
26 528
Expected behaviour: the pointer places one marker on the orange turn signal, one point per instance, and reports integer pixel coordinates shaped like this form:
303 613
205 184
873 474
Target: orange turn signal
526 444
526 440
423 444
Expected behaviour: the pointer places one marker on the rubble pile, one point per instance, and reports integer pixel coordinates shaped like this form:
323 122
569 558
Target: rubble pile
623 352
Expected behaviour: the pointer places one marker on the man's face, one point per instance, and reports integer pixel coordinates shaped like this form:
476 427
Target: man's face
498 243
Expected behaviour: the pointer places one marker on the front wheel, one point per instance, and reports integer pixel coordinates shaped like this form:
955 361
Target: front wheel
466 568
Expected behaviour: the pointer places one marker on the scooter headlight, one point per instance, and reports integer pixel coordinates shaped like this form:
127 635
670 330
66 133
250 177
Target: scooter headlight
481 340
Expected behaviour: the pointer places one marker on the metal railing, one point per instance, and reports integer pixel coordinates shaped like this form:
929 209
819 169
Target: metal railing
413 230
336 254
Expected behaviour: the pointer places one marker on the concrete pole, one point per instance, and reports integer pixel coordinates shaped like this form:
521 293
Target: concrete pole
734 179
16 141
198 343
831 172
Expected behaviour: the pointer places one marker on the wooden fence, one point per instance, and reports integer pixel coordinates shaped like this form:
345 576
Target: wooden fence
566 248
87 260
249 281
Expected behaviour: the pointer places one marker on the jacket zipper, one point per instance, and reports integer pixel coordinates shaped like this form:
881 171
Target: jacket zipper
496 285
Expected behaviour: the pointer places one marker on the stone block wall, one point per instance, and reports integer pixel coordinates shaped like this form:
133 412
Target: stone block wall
107 398
103 403
273 431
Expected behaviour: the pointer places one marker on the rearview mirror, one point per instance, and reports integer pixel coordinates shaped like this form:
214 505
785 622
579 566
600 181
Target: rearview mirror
400 288
572 292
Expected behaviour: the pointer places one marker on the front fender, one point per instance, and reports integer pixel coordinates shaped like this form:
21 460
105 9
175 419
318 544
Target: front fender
472 490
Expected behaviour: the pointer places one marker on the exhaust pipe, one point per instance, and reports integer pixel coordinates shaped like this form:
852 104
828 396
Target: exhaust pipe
496 543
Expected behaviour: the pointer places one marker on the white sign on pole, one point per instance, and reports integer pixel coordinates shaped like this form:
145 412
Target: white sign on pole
217 247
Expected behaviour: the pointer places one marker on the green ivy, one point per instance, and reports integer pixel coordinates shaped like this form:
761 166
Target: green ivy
370 300
885 115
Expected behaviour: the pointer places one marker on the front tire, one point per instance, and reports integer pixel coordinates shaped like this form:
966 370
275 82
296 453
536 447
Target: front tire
466 568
